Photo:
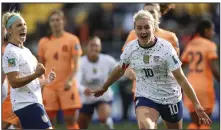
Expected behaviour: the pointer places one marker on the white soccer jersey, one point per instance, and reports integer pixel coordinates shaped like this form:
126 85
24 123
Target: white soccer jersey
153 66
22 61
93 75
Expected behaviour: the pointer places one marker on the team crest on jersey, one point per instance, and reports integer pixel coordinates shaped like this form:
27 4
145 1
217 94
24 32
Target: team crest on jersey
11 62
156 58
146 59
94 70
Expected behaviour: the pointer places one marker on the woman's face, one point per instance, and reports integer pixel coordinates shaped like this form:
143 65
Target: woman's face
18 30
94 48
56 23
144 30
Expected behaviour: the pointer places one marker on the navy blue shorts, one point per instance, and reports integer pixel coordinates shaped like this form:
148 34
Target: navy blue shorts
33 117
171 112
88 109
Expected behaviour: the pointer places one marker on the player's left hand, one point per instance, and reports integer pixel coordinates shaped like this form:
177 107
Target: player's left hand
68 85
203 117
99 92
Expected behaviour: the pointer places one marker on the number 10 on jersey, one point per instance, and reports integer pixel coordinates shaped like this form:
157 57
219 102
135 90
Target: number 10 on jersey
148 72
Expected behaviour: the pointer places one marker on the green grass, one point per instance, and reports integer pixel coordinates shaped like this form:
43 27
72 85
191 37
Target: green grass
133 126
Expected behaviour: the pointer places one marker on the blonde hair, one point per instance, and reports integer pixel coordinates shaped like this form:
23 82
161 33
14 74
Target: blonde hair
143 14
7 16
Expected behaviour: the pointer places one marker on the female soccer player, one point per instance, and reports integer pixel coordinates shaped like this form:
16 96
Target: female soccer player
61 50
201 57
157 10
23 72
158 77
94 70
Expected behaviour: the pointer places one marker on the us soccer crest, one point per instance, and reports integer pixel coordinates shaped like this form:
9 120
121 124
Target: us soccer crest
94 70
146 59
156 58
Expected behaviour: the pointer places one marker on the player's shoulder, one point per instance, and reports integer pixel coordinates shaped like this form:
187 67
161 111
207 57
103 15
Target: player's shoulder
11 50
106 56
171 35
162 43
132 45
71 36
43 40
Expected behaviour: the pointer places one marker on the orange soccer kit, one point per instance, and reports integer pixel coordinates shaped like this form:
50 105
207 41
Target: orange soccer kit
198 54
59 53
7 112
169 36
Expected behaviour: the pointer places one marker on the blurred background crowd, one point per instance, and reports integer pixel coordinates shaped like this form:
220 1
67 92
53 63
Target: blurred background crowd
112 22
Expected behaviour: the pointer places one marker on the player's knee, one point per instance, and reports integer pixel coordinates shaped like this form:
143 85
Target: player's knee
52 114
145 123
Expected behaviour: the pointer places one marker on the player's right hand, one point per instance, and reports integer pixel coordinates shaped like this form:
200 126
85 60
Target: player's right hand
87 92
40 70
203 117
99 92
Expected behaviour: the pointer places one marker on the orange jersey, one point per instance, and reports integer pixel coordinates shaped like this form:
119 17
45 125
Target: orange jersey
198 54
169 36
59 53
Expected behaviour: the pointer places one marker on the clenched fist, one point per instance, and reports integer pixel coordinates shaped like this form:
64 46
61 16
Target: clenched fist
40 70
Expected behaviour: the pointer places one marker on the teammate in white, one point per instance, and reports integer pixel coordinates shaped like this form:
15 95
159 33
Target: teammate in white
93 72
158 77
23 72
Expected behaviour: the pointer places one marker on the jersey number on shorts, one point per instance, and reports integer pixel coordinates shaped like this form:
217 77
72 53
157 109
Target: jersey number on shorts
198 57
148 72
173 109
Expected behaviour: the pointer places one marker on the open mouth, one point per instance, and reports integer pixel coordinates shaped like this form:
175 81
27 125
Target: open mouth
144 36
22 34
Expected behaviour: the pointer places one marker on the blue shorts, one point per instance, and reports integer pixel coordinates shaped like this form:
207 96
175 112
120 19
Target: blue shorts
88 109
33 117
171 112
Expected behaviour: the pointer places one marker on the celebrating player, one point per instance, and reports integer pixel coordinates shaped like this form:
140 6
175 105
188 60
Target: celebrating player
23 72
201 56
158 77
61 50
94 70
157 10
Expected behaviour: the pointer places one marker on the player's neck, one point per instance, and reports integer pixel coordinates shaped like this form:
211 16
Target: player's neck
149 44
92 59
16 43
57 34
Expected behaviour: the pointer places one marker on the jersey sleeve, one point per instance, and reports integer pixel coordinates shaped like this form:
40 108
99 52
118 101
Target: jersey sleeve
212 52
76 47
125 58
132 36
10 62
172 59
41 48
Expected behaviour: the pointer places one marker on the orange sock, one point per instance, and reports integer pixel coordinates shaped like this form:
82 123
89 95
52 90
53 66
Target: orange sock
192 126
75 126
204 127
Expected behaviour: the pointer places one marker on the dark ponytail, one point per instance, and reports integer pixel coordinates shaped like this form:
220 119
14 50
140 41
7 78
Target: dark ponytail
204 24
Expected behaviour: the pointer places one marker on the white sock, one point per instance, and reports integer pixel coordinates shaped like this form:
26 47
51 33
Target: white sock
109 123
11 127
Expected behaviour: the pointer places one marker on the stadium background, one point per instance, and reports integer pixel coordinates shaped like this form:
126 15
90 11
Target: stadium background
112 22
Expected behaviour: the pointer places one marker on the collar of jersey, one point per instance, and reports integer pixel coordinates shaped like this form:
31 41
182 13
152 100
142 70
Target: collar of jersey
149 46
16 45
